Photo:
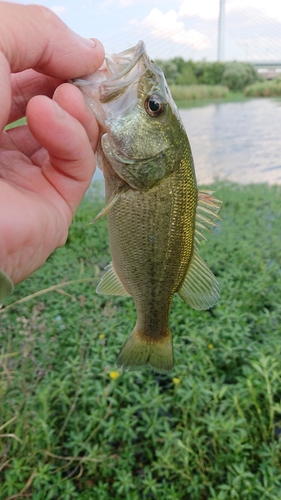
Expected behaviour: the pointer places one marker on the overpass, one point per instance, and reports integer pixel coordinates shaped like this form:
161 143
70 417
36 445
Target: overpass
269 70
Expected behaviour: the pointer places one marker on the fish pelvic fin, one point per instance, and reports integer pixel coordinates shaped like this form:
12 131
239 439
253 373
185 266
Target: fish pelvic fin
110 284
142 351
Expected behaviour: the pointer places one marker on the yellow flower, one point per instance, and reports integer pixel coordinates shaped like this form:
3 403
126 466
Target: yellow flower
114 375
210 346
101 336
176 380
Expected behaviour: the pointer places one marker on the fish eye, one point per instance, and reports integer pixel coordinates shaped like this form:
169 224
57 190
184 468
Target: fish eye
154 106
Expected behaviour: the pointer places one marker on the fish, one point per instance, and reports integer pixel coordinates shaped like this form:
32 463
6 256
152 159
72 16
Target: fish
156 214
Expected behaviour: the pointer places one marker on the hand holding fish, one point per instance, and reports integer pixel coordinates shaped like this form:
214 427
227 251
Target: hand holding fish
47 165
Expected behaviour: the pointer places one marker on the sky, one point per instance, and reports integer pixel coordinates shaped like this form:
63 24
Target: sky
172 28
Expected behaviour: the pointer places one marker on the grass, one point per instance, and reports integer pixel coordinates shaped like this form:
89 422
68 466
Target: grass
270 88
198 92
73 426
21 121
187 96
200 100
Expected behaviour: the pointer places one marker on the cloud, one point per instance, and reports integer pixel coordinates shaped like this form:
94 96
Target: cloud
258 36
270 8
59 9
209 9
125 3
167 26
206 9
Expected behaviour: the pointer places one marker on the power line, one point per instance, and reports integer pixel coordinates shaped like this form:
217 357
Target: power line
254 34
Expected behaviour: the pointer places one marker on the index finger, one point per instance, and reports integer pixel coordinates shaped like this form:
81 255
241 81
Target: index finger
32 36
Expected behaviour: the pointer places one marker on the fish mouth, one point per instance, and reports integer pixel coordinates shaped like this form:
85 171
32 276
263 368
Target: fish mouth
104 89
108 90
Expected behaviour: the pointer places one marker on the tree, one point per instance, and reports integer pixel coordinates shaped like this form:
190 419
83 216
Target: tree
237 75
169 69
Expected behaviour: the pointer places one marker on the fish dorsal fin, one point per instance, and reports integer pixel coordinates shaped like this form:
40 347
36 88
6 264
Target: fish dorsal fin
207 210
6 286
110 284
200 288
112 200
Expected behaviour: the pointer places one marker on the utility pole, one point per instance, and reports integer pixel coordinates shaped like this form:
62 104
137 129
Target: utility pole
221 31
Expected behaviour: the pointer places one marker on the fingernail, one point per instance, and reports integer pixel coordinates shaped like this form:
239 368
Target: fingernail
90 42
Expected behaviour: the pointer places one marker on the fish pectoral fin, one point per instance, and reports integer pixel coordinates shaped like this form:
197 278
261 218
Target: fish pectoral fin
6 286
200 288
110 284
112 200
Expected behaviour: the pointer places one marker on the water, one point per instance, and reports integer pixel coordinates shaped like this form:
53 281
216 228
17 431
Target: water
239 141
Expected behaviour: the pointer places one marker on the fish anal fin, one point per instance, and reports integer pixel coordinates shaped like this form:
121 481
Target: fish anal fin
144 351
110 284
200 288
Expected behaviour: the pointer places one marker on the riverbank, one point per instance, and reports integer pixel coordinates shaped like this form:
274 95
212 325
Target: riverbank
188 96
199 101
203 95
73 426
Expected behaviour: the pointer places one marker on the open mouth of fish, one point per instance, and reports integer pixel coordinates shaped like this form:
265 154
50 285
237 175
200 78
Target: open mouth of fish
105 90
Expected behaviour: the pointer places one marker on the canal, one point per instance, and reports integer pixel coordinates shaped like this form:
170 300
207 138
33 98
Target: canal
238 141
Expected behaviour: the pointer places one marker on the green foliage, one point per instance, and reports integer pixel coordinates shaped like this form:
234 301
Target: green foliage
70 427
186 72
237 75
264 89
177 71
200 81
170 69
209 73
234 75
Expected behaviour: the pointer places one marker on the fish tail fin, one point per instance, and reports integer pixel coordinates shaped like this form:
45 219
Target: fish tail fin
141 350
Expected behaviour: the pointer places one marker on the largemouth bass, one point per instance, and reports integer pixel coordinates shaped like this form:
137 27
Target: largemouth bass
155 212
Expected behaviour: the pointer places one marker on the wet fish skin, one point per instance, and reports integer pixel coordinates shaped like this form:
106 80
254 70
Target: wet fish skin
152 265
157 216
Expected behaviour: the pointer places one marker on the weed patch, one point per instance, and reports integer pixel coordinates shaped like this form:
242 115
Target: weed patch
72 426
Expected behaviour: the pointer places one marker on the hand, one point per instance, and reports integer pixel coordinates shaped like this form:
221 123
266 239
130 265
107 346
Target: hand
47 165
